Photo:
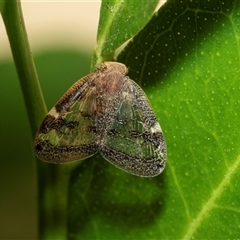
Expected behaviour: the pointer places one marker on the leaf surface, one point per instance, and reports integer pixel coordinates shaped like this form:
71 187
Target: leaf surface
119 21
187 61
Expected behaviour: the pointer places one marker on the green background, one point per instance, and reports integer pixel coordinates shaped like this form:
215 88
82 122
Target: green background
58 70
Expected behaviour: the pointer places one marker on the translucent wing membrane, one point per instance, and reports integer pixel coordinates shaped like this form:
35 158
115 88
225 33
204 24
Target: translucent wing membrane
134 140
106 112
66 133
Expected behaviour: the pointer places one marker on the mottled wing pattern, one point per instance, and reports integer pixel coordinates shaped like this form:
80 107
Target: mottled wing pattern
106 112
134 140
67 132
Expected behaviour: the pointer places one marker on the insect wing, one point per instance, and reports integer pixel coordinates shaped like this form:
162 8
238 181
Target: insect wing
67 132
134 140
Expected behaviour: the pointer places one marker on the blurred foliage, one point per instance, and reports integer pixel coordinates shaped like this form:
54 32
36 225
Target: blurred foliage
57 70
2 2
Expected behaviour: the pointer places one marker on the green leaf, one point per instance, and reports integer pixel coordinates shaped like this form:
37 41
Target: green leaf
119 21
187 60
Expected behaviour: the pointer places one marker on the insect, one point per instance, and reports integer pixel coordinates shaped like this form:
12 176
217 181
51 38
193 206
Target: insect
104 112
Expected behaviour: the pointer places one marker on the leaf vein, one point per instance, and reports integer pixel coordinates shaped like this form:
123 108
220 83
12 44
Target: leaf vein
210 204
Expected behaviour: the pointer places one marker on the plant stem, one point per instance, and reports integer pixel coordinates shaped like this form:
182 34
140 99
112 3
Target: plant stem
14 23
52 179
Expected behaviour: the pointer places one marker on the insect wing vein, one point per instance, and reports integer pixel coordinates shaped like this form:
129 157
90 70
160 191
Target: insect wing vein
67 133
134 141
